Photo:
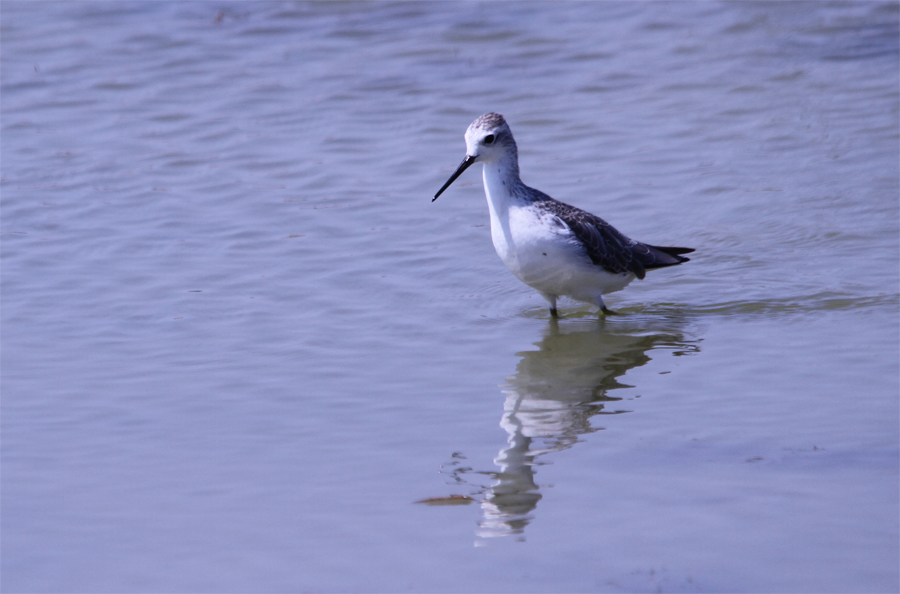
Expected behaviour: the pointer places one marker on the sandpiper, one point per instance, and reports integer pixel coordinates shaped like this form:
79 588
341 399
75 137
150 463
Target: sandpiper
550 246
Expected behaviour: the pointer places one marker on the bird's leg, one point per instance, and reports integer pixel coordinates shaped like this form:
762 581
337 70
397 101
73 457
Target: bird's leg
551 299
603 309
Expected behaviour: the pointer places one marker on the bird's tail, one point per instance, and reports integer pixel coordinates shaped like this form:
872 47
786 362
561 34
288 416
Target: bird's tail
674 251
660 257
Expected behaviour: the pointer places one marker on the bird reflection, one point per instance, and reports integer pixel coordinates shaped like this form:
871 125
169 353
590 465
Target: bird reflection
550 401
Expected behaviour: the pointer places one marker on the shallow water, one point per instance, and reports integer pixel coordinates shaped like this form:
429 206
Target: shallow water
240 343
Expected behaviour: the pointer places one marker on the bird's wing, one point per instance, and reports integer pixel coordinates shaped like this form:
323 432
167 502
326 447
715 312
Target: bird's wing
610 249
605 246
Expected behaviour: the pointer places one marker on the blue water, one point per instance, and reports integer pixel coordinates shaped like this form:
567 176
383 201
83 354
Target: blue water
240 345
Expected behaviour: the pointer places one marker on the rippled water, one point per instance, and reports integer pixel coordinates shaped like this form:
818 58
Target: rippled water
240 345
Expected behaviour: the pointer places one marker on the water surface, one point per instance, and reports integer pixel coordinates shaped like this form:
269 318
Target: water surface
240 343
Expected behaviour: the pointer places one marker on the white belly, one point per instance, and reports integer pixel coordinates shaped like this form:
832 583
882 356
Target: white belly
544 254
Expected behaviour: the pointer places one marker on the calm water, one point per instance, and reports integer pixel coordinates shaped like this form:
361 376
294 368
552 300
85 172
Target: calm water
239 342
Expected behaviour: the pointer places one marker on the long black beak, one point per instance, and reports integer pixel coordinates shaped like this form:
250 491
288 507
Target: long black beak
462 167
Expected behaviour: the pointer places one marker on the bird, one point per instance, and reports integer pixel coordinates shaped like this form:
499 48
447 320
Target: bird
557 249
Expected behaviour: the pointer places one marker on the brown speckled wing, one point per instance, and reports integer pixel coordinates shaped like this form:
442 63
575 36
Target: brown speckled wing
607 247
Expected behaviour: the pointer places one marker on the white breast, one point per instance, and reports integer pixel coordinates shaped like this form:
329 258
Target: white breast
540 249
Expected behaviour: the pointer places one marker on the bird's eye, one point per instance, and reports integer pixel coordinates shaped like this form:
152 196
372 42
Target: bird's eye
489 139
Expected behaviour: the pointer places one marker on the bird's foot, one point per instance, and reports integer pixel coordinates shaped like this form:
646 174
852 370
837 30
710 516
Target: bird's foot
607 312
554 313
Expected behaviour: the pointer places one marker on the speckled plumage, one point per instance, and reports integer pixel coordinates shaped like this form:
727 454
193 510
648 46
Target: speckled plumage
606 246
489 121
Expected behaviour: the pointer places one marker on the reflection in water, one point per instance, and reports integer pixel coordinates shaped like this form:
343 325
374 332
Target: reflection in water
550 401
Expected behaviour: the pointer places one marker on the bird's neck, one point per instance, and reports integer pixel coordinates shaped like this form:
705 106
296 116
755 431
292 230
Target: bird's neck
502 184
